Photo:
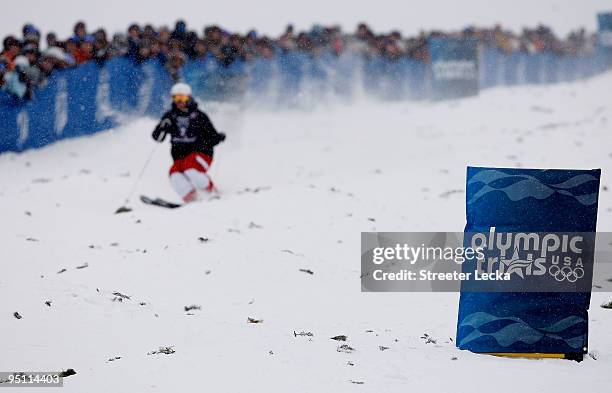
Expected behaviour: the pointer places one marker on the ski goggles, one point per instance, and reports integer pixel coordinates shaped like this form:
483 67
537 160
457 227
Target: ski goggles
180 98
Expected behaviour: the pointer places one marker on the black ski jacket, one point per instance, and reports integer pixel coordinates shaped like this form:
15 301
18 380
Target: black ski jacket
190 131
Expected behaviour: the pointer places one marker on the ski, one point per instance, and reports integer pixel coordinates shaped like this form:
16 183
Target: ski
159 202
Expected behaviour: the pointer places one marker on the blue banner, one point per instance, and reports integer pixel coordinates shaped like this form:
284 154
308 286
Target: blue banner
604 41
604 21
454 67
530 203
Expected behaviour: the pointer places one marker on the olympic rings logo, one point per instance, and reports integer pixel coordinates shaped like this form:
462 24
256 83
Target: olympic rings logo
566 273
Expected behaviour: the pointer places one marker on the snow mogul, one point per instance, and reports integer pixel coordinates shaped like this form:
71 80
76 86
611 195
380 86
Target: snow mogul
193 138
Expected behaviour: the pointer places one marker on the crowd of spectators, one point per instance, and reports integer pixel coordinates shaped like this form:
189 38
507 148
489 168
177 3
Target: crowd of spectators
26 62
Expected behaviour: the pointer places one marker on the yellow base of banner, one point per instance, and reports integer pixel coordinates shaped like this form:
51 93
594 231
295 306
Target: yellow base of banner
529 355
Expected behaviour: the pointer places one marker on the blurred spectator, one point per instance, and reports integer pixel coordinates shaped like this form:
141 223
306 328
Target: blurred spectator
176 60
100 47
31 35
18 82
52 40
133 41
119 46
83 51
200 49
80 32
173 48
11 49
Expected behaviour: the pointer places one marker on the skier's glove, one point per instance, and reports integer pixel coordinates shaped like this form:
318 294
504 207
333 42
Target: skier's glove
221 136
159 134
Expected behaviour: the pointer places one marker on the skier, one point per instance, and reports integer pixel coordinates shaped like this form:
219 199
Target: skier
193 137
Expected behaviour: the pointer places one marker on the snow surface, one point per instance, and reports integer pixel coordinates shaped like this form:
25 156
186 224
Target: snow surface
297 188
271 16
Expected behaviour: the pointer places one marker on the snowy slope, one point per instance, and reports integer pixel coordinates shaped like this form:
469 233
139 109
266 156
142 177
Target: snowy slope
321 177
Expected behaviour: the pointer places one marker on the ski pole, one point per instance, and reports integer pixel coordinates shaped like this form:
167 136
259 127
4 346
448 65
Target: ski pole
125 208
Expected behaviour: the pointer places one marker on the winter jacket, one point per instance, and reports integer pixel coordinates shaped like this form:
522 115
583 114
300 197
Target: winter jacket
15 85
190 131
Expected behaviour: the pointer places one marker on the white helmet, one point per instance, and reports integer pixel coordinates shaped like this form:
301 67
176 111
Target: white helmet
182 89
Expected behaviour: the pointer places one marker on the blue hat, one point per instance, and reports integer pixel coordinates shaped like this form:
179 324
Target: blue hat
30 29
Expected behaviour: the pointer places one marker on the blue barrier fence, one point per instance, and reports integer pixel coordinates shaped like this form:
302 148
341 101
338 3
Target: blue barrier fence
82 101
91 98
